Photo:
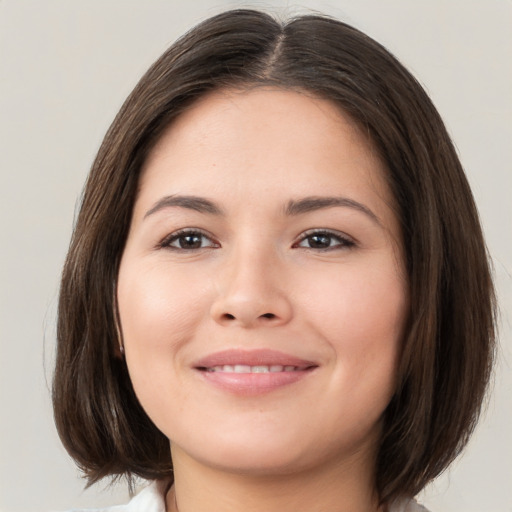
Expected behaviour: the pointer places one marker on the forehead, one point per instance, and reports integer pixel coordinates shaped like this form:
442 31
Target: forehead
259 114
264 140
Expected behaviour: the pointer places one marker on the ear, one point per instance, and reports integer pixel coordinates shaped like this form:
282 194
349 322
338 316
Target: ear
119 342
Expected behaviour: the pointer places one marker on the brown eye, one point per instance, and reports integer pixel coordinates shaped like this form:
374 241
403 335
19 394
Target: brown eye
188 240
324 240
319 241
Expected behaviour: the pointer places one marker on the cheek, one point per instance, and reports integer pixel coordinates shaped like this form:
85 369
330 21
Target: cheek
159 313
362 314
377 307
361 299
156 307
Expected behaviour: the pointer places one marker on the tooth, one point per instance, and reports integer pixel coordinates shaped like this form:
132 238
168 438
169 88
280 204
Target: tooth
259 369
242 368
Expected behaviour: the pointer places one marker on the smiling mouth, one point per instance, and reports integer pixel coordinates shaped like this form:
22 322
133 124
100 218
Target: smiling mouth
243 368
253 372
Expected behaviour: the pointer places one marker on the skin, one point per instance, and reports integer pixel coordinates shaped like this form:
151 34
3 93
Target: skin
258 278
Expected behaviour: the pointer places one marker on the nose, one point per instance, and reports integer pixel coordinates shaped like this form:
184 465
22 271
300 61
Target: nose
251 293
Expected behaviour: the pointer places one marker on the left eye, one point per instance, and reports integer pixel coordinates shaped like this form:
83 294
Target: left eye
188 240
323 240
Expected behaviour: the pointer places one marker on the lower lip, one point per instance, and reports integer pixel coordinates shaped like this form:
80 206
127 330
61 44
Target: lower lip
250 384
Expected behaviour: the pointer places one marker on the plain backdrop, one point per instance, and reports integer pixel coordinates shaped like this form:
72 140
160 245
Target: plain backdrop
65 68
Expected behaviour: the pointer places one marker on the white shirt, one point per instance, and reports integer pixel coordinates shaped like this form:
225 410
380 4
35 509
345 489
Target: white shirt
152 499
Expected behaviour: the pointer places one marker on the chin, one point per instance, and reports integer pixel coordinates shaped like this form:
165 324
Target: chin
256 461
259 455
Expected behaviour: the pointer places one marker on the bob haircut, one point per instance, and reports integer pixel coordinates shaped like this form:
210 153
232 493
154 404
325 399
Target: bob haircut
448 348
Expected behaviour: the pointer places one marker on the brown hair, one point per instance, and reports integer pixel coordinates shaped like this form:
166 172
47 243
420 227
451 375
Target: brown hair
448 350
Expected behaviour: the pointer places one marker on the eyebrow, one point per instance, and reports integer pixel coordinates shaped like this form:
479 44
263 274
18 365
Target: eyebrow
198 204
293 208
309 204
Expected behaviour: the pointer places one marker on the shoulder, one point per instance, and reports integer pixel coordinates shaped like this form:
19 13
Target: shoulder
407 505
149 499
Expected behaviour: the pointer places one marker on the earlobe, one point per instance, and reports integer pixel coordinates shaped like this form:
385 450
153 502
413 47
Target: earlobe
118 343
119 346
119 351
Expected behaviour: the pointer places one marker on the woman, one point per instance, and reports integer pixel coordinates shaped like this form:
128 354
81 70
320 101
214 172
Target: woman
277 295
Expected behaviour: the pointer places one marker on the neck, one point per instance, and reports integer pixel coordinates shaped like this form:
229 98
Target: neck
347 487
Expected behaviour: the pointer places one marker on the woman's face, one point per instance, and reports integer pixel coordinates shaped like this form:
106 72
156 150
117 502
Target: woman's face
261 292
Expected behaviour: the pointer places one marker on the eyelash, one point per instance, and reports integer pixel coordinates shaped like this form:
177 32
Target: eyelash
343 242
174 237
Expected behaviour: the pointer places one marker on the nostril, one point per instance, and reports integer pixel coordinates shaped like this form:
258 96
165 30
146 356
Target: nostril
229 316
269 315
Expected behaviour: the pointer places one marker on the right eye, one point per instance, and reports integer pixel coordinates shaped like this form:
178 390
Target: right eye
188 240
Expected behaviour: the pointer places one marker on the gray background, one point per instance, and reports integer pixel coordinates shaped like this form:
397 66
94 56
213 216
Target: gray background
65 68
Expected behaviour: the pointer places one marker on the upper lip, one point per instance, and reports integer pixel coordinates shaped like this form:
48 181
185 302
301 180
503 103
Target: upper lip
255 357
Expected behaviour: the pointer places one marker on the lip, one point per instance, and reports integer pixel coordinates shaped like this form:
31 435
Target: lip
252 358
250 384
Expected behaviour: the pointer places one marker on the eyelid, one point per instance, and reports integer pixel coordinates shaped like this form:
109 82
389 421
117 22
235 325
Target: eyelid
346 240
168 239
